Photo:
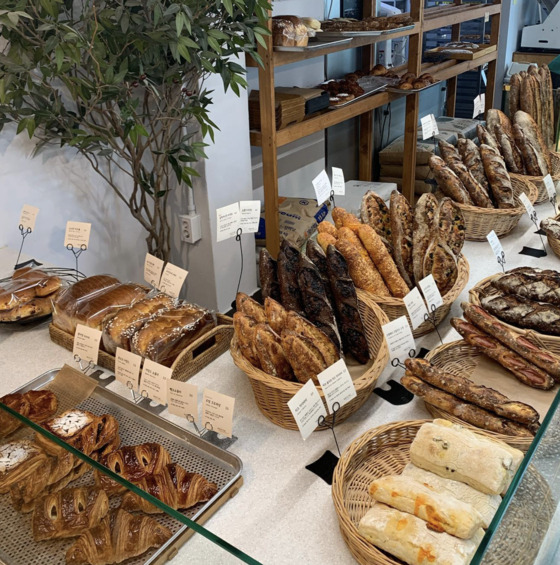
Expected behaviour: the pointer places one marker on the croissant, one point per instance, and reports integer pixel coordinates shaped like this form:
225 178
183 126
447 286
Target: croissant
80 429
117 538
68 513
18 460
37 405
175 487
133 463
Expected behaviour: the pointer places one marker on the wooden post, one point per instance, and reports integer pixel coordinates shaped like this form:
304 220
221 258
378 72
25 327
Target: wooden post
452 82
412 102
268 144
491 73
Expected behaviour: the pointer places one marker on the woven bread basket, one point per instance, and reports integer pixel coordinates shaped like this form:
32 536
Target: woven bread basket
479 222
395 308
190 361
550 342
460 358
272 394
554 243
542 195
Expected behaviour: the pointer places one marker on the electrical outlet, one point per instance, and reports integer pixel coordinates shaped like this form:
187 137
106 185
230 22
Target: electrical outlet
191 230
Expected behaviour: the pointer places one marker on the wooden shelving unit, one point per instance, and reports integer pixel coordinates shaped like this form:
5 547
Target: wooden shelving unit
269 139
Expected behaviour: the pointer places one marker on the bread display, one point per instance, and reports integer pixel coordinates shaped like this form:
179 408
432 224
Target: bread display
120 536
289 31
371 23
498 177
500 126
36 405
448 182
271 355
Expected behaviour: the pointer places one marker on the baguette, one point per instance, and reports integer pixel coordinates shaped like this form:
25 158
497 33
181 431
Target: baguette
514 94
467 390
270 353
326 227
374 212
498 177
352 237
472 160
440 262
275 315
402 225
534 138
525 372
288 262
245 329
424 230
245 304
318 257
528 153
268 275
324 240
448 182
306 360
486 138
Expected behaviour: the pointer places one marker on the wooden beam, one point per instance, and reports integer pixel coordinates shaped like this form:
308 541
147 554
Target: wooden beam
451 100
437 17
492 65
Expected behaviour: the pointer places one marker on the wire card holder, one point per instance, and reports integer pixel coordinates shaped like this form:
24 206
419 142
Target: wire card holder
502 260
322 423
80 362
430 317
331 198
208 434
538 253
553 200
396 362
77 252
238 238
24 233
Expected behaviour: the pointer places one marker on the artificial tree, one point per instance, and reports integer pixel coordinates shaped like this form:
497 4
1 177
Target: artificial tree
121 81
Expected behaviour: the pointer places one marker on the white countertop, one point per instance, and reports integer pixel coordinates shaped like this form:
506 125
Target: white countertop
283 513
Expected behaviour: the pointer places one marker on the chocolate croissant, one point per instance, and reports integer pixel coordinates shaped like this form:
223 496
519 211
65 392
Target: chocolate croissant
37 405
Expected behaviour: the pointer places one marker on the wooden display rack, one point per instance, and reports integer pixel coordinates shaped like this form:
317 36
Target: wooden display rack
269 138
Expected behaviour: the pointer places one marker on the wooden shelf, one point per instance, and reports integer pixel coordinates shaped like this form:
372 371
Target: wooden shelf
434 18
327 119
285 58
449 69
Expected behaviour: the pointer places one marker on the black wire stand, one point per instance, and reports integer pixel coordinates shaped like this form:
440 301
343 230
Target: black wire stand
502 260
238 238
396 362
77 252
538 253
322 423
24 233
331 198
430 317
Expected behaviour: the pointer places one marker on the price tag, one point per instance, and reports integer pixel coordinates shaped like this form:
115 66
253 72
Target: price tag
250 211
77 235
28 217
322 186
228 221
172 280
306 407
528 206
337 385
182 399
86 343
549 184
127 368
415 307
152 270
495 245
479 105
429 126
486 17
338 184
154 381
217 412
431 292
399 338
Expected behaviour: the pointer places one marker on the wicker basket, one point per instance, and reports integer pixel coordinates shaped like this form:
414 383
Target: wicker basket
395 308
190 361
550 342
479 222
459 358
272 394
542 195
554 243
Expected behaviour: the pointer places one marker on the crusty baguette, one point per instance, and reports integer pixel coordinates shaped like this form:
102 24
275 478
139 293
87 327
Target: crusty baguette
306 360
326 227
325 239
448 182
244 303
450 225
425 221
514 94
352 237
528 152
486 137
534 138
288 263
245 328
441 263
402 225
268 275
275 315
470 154
498 177
374 212
270 353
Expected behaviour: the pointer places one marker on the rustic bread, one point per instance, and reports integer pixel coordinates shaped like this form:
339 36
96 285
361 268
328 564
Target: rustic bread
498 177
402 226
425 220
448 182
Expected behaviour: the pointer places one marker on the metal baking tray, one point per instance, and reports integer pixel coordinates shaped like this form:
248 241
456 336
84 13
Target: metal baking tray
412 90
319 44
370 33
138 423
369 90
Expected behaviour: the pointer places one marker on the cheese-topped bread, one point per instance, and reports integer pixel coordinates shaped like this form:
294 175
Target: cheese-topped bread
18 460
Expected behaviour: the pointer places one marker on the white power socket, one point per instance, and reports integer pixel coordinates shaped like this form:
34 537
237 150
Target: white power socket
191 229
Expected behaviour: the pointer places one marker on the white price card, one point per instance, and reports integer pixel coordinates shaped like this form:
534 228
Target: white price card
338 184
250 215
153 266
227 221
154 381
486 17
86 343
399 338
217 412
127 368
182 400
337 385
172 280
528 206
415 307
28 217
549 184
496 246
77 235
322 186
431 293
479 105
429 126
307 407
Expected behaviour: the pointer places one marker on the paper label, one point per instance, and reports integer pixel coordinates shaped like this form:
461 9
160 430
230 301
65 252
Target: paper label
182 399
307 407
28 217
338 184
431 293
127 368
250 215
549 184
486 17
86 343
496 245
415 307
528 206
154 381
217 412
228 221
152 270
400 340
337 384
172 280
77 235
429 126
479 105
322 186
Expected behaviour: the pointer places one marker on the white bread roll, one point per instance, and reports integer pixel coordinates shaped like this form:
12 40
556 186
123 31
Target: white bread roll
443 512
409 539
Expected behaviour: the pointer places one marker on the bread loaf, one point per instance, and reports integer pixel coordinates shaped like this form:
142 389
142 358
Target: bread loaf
498 177
374 212
306 360
487 138
440 262
271 356
245 329
289 31
319 259
472 160
324 240
402 225
288 263
244 303
448 182
514 94
268 275
532 136
450 225
326 227
424 230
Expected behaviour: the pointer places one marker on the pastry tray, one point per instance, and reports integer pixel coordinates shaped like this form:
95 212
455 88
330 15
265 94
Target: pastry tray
371 33
369 90
319 44
138 423
411 91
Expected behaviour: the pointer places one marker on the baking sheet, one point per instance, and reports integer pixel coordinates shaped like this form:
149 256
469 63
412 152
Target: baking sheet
401 91
369 90
319 44
136 425
371 33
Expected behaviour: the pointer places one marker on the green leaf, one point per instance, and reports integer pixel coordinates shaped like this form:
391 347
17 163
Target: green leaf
228 6
21 126
179 22
13 17
59 57
30 127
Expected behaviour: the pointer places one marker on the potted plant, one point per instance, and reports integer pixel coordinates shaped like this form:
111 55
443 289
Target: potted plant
122 82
